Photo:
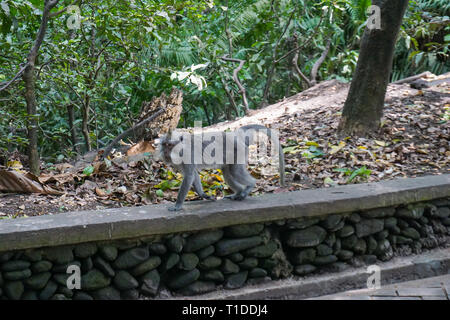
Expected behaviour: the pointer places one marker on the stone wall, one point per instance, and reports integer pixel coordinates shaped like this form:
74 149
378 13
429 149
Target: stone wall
229 257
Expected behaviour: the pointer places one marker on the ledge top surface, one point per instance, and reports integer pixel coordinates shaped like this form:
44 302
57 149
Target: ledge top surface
129 222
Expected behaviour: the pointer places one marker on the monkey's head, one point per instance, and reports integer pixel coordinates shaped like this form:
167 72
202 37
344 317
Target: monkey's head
165 147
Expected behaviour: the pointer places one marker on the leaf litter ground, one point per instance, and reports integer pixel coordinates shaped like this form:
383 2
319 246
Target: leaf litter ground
414 140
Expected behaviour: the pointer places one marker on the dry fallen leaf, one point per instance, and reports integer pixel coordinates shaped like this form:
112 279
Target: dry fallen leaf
13 181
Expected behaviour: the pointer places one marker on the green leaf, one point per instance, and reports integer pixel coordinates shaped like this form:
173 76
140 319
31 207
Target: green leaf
88 171
292 150
364 172
329 181
313 152
343 170
312 143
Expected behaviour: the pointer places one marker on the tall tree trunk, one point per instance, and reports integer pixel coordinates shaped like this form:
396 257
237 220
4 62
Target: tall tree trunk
72 129
85 123
29 78
32 121
363 108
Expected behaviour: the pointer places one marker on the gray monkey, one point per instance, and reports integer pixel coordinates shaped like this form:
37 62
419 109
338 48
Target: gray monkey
234 167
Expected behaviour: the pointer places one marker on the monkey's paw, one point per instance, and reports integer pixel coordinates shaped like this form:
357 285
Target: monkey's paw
235 196
210 198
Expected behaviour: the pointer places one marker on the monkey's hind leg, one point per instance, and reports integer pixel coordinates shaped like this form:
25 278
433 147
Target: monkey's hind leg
242 176
188 178
199 189
232 182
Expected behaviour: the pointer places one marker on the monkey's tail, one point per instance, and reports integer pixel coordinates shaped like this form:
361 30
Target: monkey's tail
269 133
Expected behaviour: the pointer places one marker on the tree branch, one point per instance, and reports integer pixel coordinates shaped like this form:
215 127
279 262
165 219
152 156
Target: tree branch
17 76
126 133
41 33
305 43
295 63
227 31
230 96
39 39
274 62
319 62
236 80
54 14
410 79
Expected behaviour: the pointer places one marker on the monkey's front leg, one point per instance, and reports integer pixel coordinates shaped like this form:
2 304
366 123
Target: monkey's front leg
199 189
188 179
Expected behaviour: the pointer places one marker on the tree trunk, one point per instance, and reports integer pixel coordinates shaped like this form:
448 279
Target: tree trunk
85 123
205 109
363 108
29 78
72 129
32 121
230 98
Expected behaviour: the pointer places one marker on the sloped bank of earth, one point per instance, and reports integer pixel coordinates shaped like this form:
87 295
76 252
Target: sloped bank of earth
414 141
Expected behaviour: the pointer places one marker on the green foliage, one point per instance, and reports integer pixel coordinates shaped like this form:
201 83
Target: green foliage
88 171
313 152
358 9
362 172
446 115
441 7
168 184
424 45
125 53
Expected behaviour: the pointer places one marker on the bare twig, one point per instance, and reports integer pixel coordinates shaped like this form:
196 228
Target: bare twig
17 76
71 88
274 62
126 133
103 49
230 96
227 31
242 90
288 23
410 79
305 43
295 63
42 67
54 14
319 62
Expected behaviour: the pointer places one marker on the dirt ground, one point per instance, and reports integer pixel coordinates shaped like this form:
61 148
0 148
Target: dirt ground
414 140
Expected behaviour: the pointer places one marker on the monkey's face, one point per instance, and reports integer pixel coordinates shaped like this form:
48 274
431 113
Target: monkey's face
165 147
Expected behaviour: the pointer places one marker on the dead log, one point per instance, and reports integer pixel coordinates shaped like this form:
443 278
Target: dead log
167 121
157 118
